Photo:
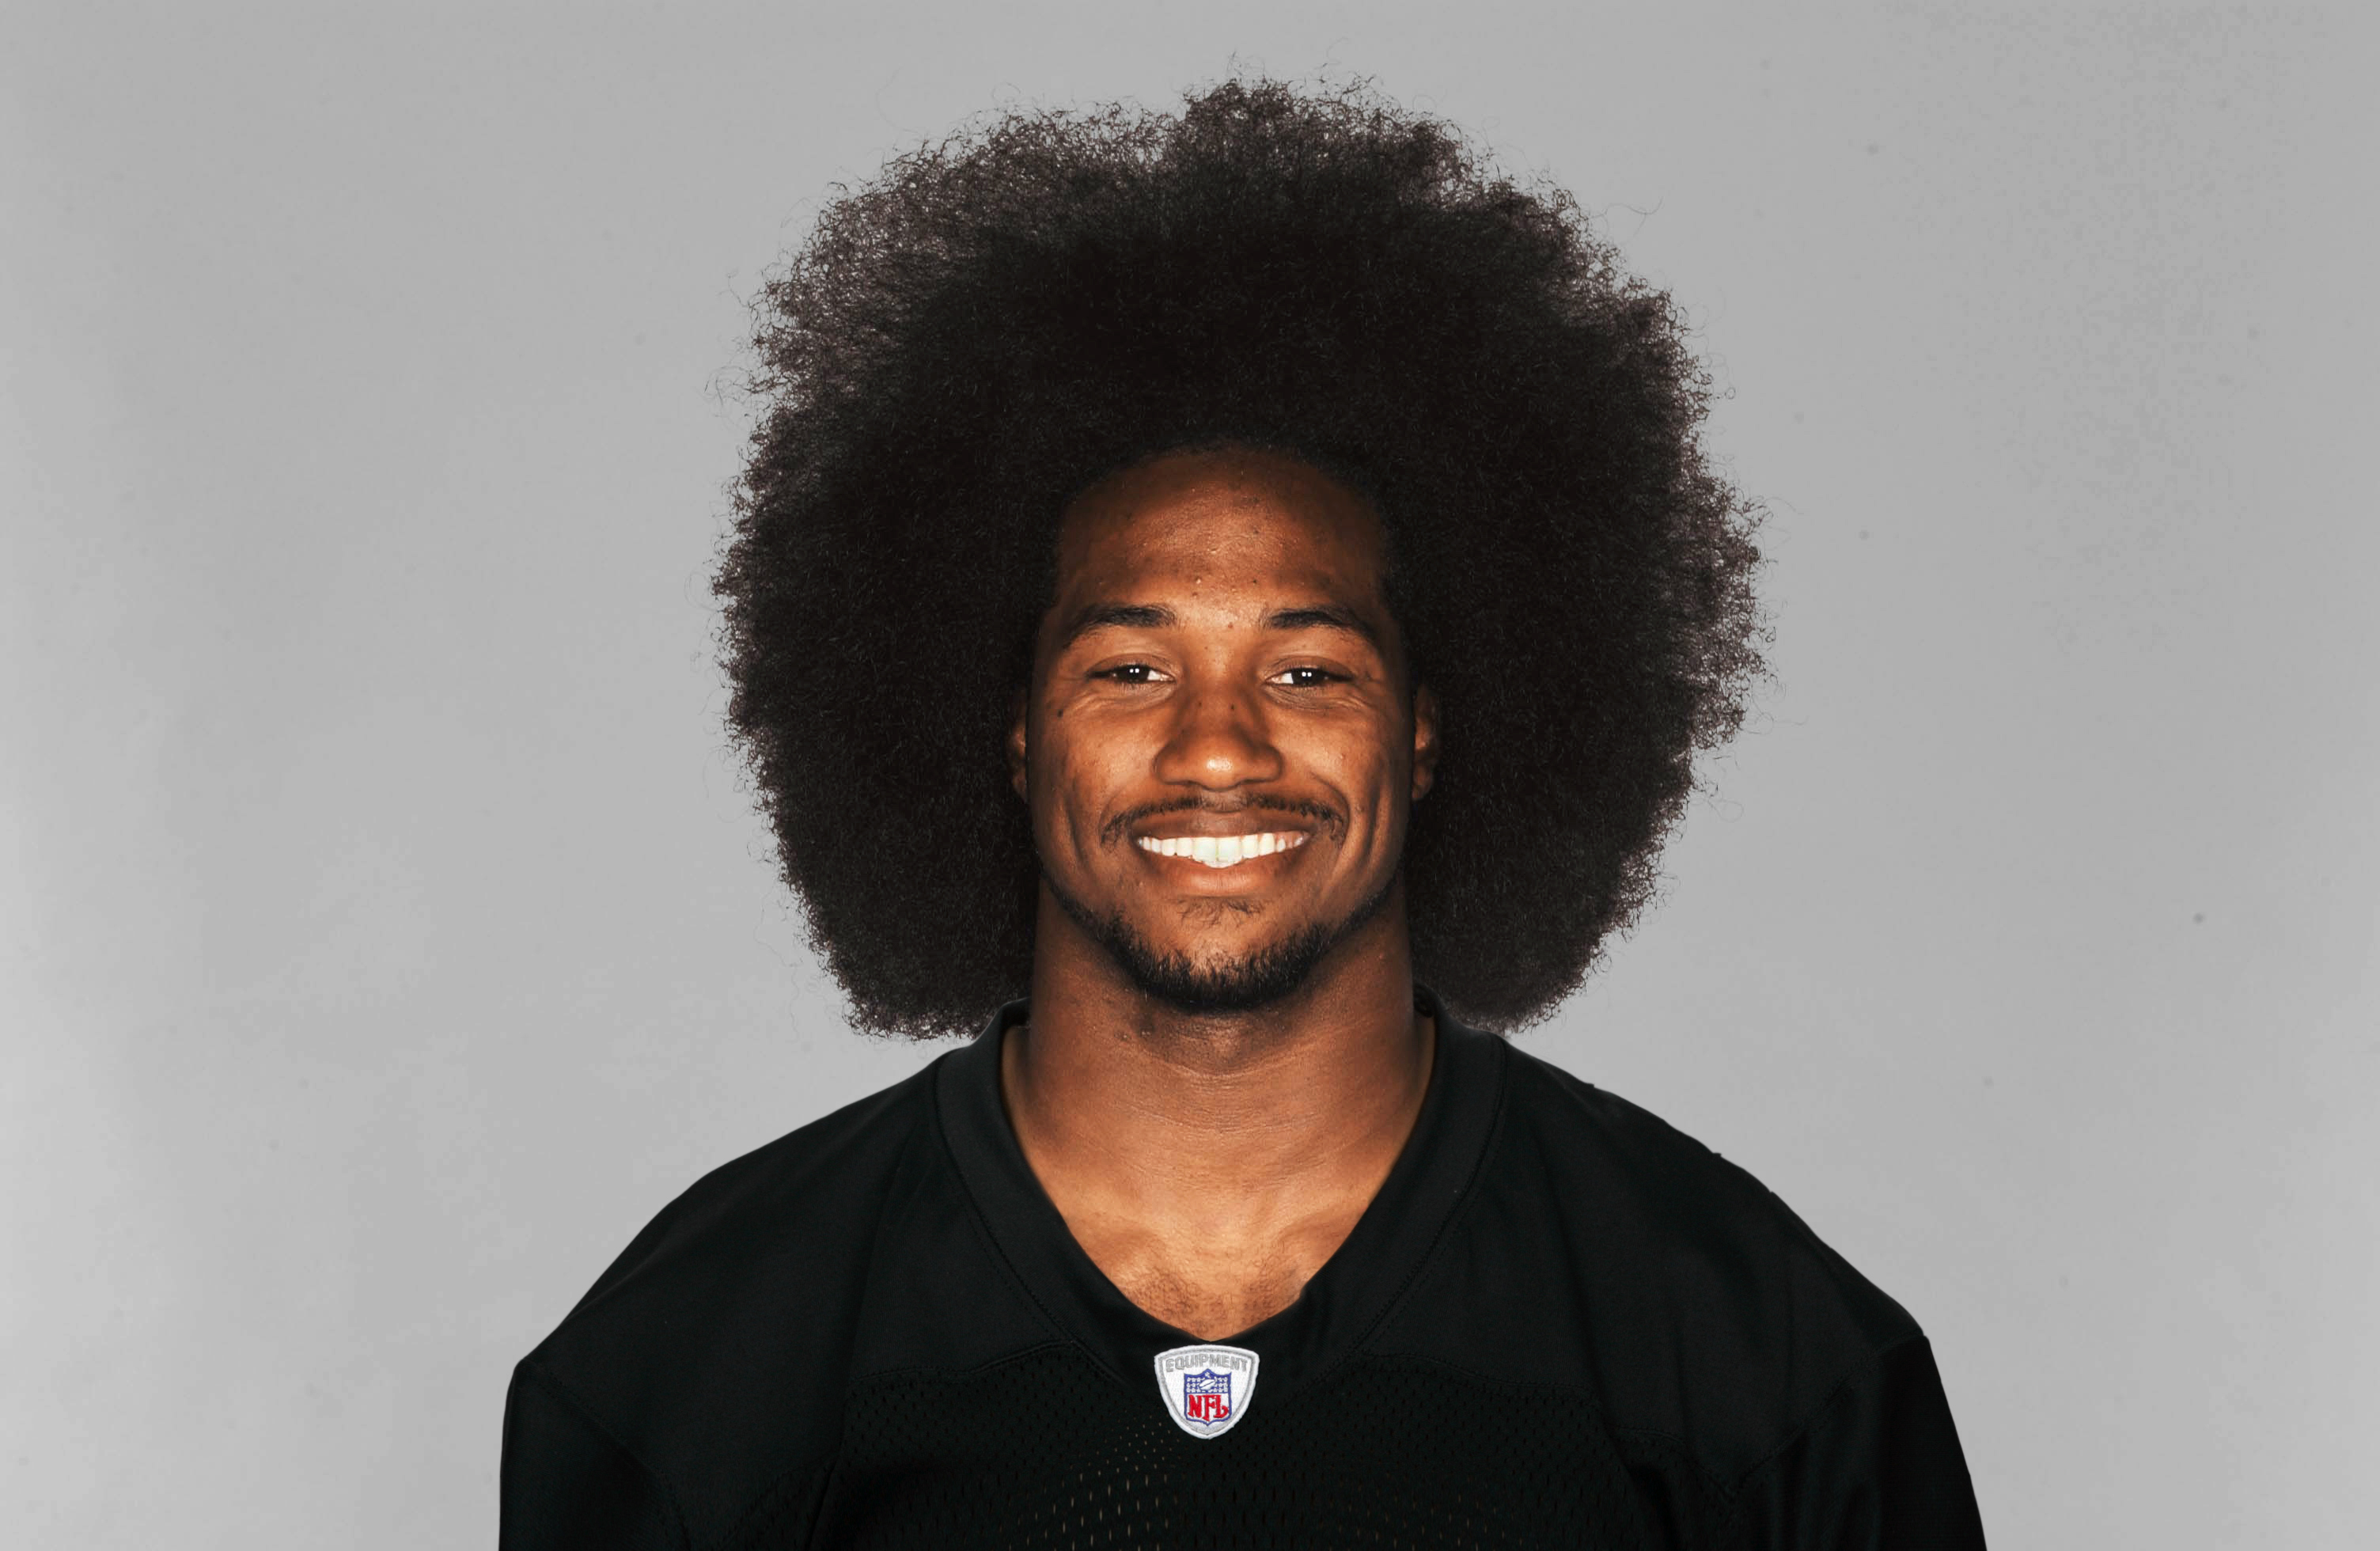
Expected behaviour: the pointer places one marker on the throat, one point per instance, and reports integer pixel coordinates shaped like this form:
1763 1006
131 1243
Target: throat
1207 1209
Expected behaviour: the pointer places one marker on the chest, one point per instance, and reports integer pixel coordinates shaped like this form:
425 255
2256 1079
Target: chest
1045 1451
1211 1280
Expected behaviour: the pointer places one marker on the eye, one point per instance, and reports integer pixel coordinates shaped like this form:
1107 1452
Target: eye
1129 673
1308 678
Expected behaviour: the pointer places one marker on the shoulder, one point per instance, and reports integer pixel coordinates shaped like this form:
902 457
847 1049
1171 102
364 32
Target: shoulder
1603 1250
813 1192
1703 1230
715 1348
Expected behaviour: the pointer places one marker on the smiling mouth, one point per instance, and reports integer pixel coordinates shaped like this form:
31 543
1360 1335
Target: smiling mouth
1224 851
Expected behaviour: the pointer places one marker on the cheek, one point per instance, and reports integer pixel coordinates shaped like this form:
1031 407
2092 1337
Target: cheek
1370 771
1072 776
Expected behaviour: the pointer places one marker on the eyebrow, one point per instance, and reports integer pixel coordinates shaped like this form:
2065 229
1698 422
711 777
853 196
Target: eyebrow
1157 616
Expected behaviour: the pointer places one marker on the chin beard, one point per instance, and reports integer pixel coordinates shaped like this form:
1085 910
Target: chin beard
1184 984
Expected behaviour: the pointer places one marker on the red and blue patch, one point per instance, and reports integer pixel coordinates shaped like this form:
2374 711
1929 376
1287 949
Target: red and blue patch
1206 1389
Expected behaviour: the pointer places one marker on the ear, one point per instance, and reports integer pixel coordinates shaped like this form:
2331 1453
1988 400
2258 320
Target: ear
1016 752
1425 748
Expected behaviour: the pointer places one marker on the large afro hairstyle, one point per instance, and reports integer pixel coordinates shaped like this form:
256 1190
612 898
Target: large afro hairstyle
996 321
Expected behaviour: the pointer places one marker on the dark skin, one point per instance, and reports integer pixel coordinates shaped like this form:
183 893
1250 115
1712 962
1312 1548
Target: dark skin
1219 666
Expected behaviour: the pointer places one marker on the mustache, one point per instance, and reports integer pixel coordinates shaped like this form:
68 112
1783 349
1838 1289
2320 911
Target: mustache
1327 819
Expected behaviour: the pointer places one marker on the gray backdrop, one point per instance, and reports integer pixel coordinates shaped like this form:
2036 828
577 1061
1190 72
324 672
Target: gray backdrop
387 935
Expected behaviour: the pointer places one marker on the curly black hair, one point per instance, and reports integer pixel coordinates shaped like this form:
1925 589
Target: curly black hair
996 321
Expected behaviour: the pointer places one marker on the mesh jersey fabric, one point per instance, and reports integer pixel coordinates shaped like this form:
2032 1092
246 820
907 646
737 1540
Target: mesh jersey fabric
1560 1323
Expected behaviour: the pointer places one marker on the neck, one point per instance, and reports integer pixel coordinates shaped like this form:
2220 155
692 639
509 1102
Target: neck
1164 1136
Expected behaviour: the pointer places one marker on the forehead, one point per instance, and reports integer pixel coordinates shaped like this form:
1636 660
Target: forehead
1221 525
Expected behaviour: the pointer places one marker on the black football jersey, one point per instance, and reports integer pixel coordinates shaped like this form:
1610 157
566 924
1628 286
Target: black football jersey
1560 1323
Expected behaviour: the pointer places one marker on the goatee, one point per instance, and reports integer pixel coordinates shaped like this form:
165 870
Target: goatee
1264 976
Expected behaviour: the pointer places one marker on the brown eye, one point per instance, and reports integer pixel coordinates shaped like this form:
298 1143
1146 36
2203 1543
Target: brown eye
1309 678
1131 673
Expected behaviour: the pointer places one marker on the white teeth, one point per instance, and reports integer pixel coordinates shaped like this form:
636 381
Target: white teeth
1224 851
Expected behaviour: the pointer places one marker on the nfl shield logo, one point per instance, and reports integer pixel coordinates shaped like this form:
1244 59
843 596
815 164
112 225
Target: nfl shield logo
1206 1389
1207 1396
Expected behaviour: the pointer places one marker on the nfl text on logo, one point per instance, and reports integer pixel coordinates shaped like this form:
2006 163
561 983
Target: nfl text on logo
1206 1389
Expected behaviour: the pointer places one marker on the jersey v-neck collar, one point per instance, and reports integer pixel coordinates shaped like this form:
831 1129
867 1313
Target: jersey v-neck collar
1340 1305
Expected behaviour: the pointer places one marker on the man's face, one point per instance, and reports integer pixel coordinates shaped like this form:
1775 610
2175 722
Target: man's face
1220 748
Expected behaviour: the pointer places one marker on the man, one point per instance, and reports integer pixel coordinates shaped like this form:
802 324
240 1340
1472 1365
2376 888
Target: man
1315 522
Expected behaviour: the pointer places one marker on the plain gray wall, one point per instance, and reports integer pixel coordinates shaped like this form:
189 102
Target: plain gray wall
387 934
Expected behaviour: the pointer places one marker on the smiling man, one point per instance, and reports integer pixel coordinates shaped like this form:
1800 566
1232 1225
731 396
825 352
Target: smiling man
1219 753
1314 521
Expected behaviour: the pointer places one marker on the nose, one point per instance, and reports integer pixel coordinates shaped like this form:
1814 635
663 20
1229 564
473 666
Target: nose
1218 740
